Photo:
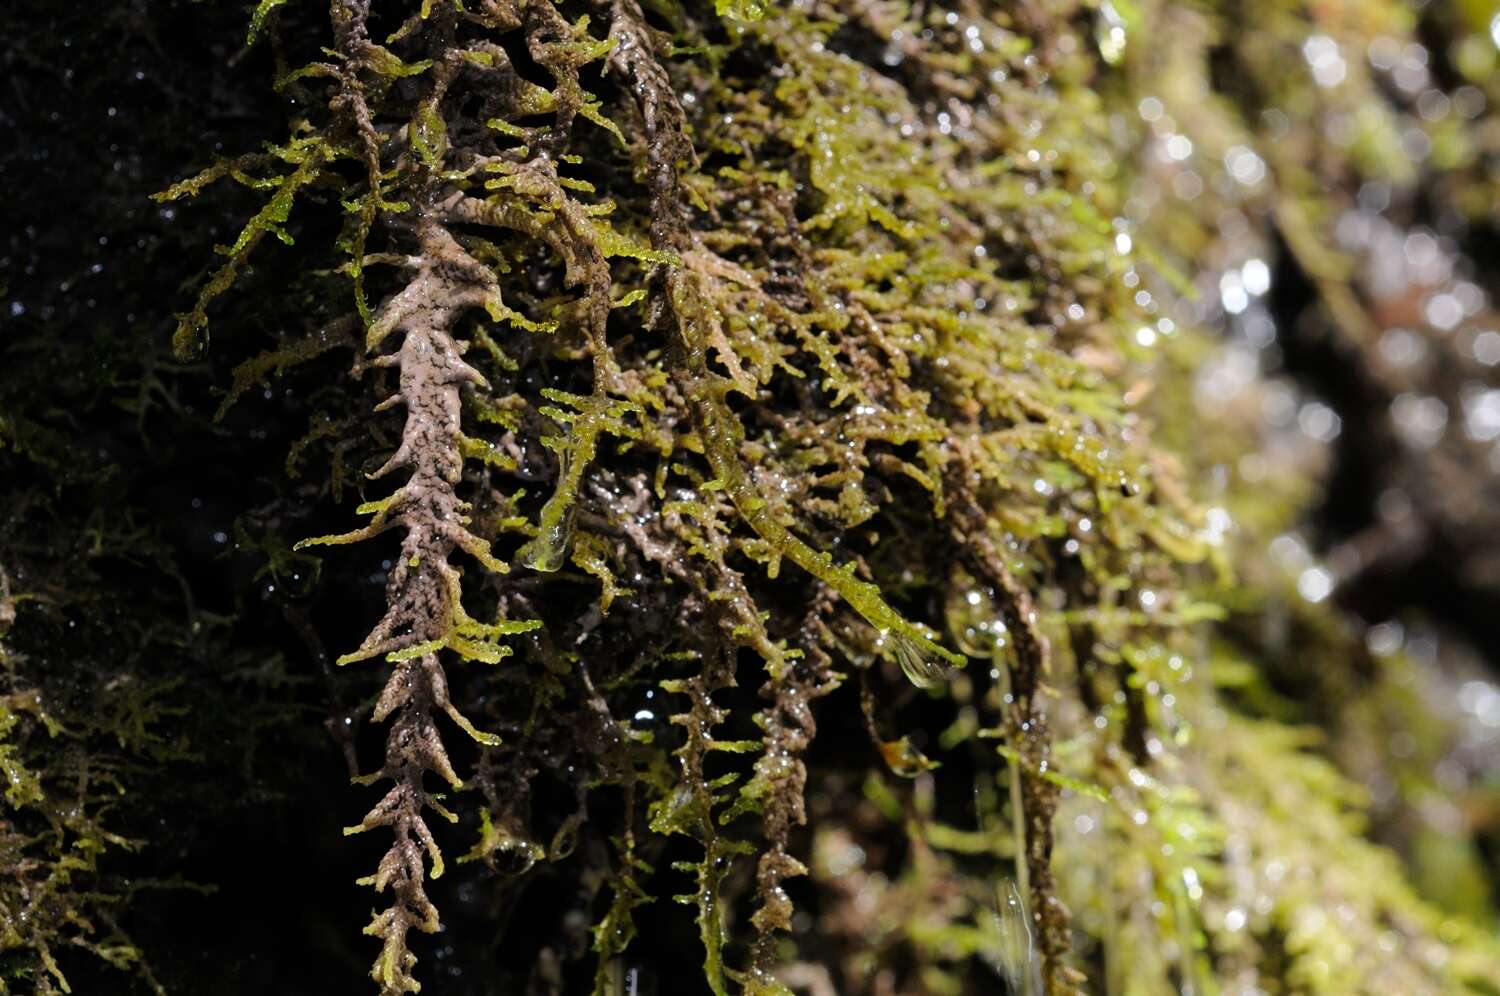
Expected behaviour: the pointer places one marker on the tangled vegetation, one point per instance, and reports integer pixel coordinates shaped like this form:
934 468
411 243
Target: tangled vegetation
800 480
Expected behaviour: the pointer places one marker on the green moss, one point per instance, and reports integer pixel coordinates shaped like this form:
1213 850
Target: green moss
854 342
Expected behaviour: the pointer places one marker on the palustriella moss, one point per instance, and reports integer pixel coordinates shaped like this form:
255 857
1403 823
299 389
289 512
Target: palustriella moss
780 429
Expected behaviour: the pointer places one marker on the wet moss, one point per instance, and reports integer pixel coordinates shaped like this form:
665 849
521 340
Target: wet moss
751 371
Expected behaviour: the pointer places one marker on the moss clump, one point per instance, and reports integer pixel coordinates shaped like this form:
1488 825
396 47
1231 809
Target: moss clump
795 452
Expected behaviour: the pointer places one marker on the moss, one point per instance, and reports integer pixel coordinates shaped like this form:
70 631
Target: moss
754 370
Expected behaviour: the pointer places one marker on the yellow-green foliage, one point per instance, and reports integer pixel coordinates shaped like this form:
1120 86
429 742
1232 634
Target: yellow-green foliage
61 782
820 340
